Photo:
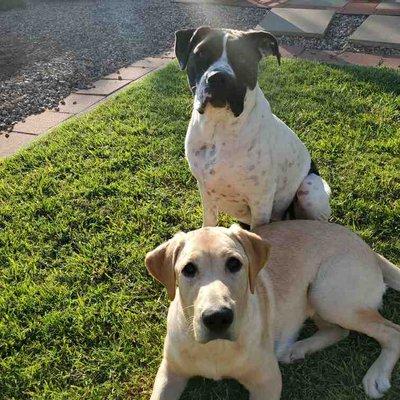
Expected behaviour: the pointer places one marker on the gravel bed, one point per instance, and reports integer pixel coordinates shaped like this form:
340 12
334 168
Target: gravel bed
54 46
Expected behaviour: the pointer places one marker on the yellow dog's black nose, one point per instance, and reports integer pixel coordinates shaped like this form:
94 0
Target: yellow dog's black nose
218 321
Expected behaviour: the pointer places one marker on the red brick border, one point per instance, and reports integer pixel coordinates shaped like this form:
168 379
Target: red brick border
345 58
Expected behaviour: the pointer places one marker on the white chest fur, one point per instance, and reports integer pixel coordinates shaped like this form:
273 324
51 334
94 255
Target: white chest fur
241 163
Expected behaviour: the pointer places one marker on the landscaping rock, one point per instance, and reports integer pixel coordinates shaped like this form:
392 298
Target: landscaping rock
52 47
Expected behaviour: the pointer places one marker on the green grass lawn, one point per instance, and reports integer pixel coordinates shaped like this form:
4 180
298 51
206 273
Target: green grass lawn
79 316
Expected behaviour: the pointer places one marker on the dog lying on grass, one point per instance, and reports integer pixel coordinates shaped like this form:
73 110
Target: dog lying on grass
232 318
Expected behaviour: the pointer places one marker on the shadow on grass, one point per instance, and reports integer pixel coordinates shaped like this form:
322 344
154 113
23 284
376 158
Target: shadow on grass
388 80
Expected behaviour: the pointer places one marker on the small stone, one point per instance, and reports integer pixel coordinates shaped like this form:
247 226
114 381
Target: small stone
74 102
7 135
57 109
62 102
119 77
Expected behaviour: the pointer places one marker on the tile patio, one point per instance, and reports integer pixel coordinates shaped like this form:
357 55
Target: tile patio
297 21
378 30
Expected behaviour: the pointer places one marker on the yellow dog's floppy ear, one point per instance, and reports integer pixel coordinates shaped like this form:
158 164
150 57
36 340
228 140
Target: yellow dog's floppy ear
160 262
257 251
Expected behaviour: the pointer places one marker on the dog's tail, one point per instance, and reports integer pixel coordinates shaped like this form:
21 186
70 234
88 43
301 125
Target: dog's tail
391 273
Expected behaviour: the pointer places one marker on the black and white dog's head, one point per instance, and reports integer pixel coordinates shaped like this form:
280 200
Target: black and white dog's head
222 64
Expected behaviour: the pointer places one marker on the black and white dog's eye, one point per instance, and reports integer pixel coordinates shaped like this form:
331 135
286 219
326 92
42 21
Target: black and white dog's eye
200 54
233 264
189 270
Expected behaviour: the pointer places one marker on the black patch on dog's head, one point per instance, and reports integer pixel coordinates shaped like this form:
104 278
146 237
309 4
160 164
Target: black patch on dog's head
197 59
198 49
246 49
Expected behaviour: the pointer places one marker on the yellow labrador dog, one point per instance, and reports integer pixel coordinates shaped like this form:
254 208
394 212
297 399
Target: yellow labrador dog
230 318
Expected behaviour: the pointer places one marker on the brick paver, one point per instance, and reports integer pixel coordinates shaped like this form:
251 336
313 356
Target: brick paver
378 30
359 7
169 54
290 51
40 123
391 62
319 56
266 3
78 102
388 7
11 142
315 4
367 60
296 21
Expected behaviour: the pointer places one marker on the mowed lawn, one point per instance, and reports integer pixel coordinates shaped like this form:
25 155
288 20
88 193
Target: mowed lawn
80 318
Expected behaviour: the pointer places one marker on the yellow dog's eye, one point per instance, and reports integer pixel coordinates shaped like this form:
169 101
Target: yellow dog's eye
189 270
233 264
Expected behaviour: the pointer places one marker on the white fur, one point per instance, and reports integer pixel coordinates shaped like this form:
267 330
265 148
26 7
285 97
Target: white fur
250 166
222 64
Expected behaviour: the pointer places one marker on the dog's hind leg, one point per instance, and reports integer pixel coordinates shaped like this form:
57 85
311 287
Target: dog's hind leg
312 199
348 292
377 379
327 335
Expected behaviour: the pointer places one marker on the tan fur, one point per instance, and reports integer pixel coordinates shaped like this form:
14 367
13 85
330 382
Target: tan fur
314 269
257 251
160 262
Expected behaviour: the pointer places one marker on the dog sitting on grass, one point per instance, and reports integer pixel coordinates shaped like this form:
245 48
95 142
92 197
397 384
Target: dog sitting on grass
247 162
240 298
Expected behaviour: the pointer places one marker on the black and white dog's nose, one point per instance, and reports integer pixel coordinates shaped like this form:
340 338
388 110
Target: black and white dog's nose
218 321
216 79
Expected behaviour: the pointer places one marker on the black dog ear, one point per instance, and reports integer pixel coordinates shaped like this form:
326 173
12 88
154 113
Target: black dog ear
185 40
266 43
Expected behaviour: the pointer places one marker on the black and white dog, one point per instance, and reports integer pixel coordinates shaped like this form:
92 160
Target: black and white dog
247 162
